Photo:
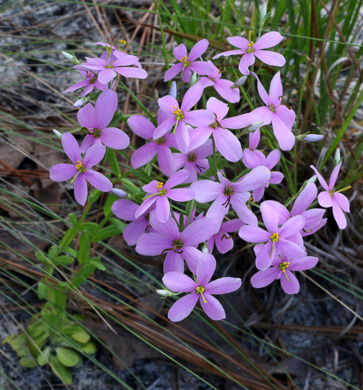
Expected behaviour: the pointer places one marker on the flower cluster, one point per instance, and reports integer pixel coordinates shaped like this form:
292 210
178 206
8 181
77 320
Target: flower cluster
189 207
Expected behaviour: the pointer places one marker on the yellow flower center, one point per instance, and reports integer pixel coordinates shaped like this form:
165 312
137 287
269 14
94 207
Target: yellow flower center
200 290
228 191
186 61
192 157
250 45
122 42
160 188
275 237
283 266
272 108
178 114
80 167
160 141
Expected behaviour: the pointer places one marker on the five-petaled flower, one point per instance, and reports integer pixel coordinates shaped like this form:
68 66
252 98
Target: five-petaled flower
249 50
332 198
202 289
80 169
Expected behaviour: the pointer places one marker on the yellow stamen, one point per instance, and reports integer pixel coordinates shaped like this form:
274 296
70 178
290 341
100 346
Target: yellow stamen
200 290
186 61
283 266
178 114
160 185
250 43
80 167
275 237
122 42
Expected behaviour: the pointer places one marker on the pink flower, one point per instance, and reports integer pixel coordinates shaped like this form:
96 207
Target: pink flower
276 238
160 193
96 119
249 50
222 240
188 63
281 117
281 270
180 117
223 87
90 82
80 169
202 289
226 142
143 127
332 198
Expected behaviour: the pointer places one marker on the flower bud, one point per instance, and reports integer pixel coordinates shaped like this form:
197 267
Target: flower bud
263 11
193 79
164 293
79 103
70 57
239 82
119 193
172 91
337 157
313 137
255 126
57 133
205 249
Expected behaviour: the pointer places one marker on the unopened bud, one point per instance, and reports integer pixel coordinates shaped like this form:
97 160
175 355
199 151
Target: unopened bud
193 79
172 91
57 133
313 137
79 103
70 57
239 82
337 157
263 11
205 249
164 293
119 193
312 179
255 126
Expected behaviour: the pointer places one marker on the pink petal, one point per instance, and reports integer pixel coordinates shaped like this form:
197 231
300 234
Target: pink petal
132 72
268 40
270 217
253 234
325 199
264 113
229 53
228 145
205 269
181 194
265 256
273 158
292 226
141 126
167 104
305 198
239 42
283 134
166 160
182 307
80 189
124 209
176 179
224 88
71 148
86 117
199 118
98 180
62 172
164 128
143 155
247 60
178 282
258 177
162 208
339 215
212 308
334 176
114 138
199 136
134 231
270 57
191 97
180 51
276 90
199 231
219 108
88 141
106 75
182 137
198 49
173 263
286 115
152 244
264 278
206 190
322 182
262 91
224 285
240 121
192 256
94 155
173 71
145 205
292 286
244 213
342 201
304 263
106 106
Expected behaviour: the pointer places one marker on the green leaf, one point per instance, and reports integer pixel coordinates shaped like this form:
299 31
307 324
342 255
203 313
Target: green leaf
36 329
119 224
144 177
90 348
43 357
84 248
109 202
67 357
107 232
98 265
60 370
28 362
63 260
18 343
130 187
42 258
112 159
116 119
73 218
52 251
82 336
